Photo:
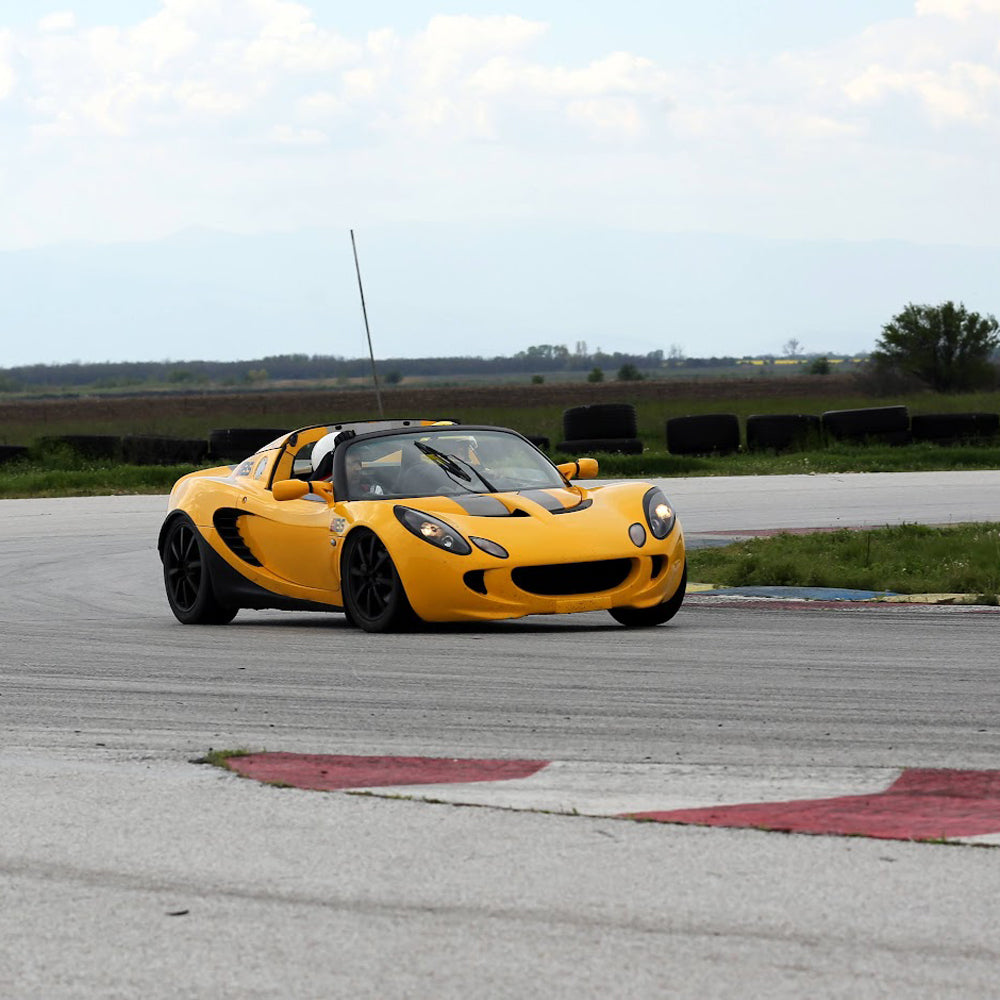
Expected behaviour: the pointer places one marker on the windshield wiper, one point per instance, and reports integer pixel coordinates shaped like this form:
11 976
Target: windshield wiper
450 463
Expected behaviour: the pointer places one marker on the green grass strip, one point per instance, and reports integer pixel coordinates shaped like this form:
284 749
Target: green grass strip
907 559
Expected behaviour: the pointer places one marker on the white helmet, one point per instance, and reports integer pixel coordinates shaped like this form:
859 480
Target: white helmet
321 450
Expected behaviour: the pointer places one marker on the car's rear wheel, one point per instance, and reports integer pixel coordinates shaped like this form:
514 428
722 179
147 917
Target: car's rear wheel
374 598
656 615
187 579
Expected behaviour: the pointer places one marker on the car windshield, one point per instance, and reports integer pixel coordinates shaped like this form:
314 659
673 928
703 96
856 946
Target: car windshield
449 462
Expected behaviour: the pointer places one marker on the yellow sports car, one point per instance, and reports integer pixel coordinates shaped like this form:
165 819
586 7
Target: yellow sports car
395 521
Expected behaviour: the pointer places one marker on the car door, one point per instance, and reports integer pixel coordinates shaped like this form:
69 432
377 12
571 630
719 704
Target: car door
292 539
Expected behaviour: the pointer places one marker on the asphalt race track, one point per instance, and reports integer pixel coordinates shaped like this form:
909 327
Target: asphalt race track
126 870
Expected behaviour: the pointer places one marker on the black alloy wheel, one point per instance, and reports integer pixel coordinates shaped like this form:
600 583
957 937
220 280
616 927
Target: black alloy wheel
374 598
187 580
656 615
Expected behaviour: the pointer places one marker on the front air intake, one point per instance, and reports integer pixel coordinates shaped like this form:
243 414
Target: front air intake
566 579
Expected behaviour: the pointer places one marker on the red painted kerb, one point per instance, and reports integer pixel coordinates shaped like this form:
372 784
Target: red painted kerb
328 773
922 804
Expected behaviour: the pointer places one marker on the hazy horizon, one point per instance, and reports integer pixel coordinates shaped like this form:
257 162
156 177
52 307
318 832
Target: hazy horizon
181 177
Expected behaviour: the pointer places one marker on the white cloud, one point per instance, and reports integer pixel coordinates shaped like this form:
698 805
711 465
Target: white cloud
62 20
957 8
468 115
6 68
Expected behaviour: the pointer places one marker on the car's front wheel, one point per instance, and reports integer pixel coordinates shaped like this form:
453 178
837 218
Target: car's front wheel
187 579
374 598
656 615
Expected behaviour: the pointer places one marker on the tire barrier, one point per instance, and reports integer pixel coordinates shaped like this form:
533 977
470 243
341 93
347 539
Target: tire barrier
600 421
879 424
955 428
783 431
236 443
12 452
98 447
704 434
607 446
143 450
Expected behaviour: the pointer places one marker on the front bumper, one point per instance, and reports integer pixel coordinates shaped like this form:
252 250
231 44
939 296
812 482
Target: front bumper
442 587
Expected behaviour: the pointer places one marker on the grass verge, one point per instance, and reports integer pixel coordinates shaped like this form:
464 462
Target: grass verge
907 559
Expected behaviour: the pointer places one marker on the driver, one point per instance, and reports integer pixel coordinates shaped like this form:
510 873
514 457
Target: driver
359 483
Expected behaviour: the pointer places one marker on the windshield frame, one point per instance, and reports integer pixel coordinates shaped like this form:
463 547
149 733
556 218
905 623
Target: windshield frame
460 476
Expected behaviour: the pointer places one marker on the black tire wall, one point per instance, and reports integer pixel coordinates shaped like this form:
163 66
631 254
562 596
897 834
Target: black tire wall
955 428
704 434
783 431
600 421
885 424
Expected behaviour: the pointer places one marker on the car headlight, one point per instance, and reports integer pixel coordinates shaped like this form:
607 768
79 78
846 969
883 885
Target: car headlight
660 515
433 530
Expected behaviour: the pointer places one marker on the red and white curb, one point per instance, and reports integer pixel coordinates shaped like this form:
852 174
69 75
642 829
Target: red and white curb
935 804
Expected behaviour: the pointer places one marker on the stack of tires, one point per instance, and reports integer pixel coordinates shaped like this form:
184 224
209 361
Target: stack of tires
875 424
783 432
704 434
600 427
955 428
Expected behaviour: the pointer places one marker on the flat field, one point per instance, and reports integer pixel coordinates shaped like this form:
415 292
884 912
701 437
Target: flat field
531 409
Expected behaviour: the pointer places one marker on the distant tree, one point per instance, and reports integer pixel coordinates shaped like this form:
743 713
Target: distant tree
791 348
819 366
945 346
393 378
537 379
595 375
629 373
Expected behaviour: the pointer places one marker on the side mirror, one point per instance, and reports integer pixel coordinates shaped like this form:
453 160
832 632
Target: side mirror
582 468
296 489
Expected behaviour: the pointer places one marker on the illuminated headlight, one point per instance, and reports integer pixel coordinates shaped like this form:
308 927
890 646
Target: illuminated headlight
432 530
490 547
660 515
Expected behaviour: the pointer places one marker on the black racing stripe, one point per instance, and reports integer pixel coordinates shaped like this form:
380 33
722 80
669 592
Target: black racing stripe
481 506
552 504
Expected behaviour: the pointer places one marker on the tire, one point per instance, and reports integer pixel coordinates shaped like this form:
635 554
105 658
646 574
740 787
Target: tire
374 598
782 431
954 428
656 615
187 579
540 442
885 424
607 446
704 434
600 420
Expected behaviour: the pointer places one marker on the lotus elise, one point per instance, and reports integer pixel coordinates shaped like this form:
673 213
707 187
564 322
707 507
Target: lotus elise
392 522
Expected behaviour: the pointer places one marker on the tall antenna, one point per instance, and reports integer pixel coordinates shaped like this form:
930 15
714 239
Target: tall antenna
368 333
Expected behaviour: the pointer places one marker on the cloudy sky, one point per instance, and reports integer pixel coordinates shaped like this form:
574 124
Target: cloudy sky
126 121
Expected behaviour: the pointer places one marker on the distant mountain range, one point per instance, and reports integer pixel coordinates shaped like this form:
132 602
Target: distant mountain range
449 291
